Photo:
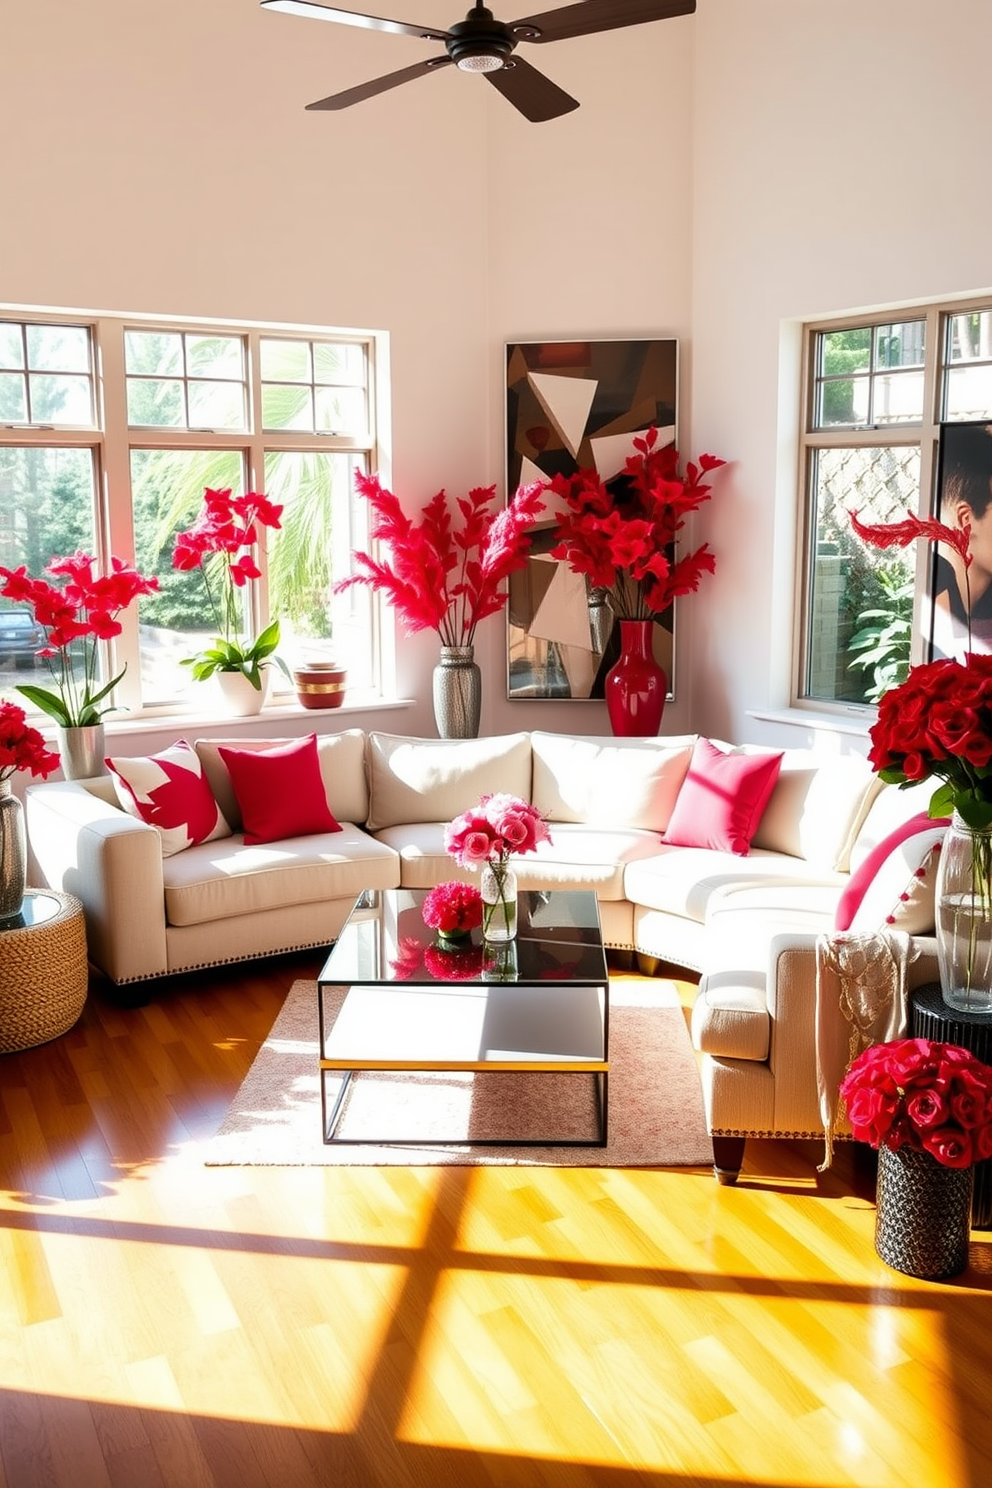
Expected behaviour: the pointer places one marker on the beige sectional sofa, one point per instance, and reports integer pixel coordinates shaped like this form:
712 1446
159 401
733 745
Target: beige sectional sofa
749 925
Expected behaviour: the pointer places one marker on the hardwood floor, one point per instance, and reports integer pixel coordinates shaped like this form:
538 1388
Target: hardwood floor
166 1324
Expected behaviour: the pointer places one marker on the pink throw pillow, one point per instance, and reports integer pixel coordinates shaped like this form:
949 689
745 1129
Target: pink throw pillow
894 884
280 791
168 790
721 799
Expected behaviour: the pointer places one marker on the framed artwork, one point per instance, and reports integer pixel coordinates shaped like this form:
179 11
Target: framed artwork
574 405
960 596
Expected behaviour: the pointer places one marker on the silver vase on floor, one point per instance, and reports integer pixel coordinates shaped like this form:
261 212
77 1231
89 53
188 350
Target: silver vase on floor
457 693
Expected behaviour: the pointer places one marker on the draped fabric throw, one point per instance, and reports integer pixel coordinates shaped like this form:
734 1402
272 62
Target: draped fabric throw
861 999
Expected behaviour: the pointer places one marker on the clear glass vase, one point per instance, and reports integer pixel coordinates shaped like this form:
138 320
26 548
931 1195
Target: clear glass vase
498 888
964 918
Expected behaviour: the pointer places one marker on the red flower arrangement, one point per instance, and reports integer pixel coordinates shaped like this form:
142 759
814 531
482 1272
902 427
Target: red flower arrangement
453 908
21 746
623 542
220 543
458 965
917 1093
500 825
439 576
77 617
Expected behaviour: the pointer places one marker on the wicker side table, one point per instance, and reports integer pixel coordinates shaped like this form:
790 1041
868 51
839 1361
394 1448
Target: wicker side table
43 970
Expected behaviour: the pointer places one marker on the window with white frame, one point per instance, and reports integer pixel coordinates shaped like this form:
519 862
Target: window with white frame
111 429
876 391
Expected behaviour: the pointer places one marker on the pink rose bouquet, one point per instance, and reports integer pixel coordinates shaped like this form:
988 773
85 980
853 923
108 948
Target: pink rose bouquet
917 1093
500 825
453 908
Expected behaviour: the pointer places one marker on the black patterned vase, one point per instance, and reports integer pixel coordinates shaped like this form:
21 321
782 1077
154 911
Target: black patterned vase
922 1214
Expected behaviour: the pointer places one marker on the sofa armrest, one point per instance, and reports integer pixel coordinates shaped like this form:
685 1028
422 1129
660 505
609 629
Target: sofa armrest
113 864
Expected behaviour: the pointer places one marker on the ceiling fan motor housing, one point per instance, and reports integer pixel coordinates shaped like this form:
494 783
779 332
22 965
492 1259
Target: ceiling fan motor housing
479 43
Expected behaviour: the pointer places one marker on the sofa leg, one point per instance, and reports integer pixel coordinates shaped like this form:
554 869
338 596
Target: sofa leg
728 1156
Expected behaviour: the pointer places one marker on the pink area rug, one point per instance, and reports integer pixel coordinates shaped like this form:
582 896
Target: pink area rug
655 1101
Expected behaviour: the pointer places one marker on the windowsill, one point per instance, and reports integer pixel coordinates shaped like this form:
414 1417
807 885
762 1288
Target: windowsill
278 712
855 723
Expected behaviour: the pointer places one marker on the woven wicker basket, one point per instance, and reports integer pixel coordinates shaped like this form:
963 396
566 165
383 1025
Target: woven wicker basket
43 975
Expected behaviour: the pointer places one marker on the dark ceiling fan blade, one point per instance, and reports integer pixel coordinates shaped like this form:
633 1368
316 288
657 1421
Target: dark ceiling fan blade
536 96
380 85
312 10
589 16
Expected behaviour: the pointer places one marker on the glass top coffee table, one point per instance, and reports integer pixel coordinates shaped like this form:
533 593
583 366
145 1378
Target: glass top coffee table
539 1003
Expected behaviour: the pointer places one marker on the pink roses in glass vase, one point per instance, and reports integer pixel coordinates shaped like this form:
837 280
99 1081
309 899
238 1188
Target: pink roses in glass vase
485 837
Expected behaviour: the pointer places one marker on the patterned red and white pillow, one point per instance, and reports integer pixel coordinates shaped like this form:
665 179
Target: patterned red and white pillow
169 791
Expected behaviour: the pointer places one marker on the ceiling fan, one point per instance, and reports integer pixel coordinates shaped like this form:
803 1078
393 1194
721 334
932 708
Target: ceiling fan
480 43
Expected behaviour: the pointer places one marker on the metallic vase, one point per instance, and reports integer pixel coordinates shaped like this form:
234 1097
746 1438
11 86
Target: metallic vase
457 693
13 853
82 751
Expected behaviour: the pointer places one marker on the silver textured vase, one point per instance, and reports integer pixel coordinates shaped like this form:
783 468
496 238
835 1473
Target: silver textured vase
13 853
82 751
923 1213
457 693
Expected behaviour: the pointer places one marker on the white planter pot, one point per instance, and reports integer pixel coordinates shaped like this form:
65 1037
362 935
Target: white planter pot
238 697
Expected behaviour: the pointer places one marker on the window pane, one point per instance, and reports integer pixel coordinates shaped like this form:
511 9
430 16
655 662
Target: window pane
60 400
154 353
46 511
58 348
287 407
969 337
167 494
284 361
216 405
339 361
310 550
898 398
11 345
900 345
844 351
13 398
341 410
154 404
215 356
969 393
859 616
844 401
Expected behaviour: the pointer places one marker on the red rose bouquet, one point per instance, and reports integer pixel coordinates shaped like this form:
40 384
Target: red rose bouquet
453 908
918 1093
21 746
76 616
439 576
623 542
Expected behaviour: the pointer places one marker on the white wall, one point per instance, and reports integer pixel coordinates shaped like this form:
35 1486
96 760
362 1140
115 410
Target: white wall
726 175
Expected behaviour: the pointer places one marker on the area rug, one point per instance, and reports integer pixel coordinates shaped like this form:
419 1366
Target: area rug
655 1101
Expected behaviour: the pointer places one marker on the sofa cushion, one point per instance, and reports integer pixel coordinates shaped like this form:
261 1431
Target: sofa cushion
222 879
890 808
578 857
433 780
280 791
683 880
817 807
722 797
342 768
169 791
894 885
608 782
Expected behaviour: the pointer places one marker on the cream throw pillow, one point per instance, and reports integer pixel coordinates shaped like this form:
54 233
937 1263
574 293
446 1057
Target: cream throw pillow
609 782
432 780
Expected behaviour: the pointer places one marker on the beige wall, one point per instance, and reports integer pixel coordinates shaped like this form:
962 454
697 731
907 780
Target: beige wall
726 175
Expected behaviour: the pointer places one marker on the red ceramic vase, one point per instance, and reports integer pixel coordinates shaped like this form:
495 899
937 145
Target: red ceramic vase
636 687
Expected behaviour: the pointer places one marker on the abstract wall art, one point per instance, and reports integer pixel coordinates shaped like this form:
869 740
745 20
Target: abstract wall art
573 405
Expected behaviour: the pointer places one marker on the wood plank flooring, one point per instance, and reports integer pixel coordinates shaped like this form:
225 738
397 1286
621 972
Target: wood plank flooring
166 1324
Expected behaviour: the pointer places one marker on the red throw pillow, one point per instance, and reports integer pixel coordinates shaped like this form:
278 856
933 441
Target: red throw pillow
280 791
169 792
895 875
721 799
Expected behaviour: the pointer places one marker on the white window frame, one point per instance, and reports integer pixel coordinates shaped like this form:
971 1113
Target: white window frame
112 440
923 436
